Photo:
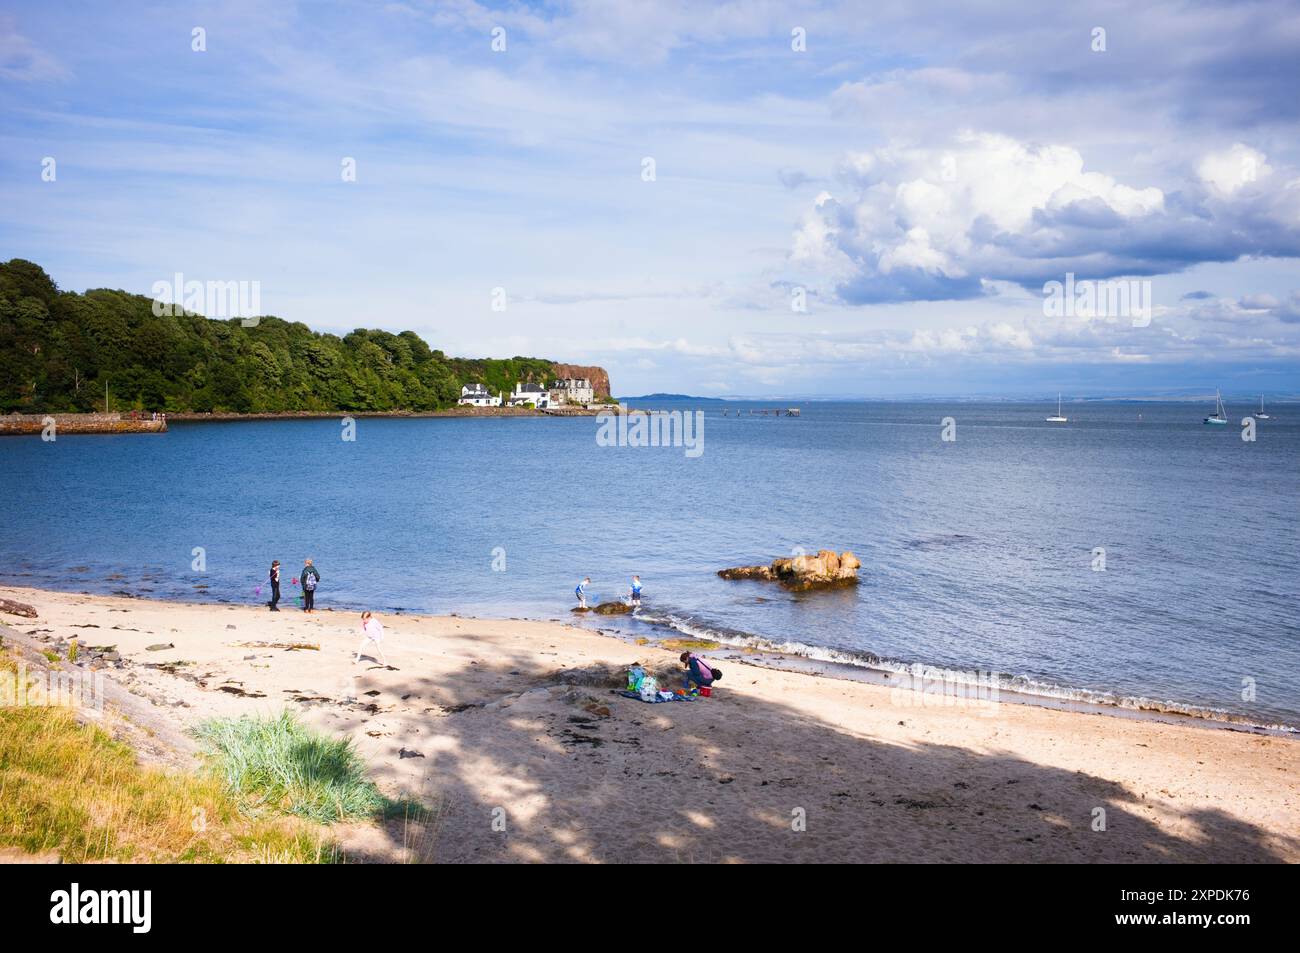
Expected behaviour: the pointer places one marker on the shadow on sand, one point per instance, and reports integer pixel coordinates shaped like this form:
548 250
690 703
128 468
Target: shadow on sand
525 766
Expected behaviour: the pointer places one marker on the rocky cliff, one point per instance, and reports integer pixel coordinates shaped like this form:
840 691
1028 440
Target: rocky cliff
597 375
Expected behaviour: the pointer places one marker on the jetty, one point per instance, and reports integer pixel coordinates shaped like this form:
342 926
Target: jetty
32 424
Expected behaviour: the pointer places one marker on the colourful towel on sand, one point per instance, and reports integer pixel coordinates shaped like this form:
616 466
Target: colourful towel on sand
675 698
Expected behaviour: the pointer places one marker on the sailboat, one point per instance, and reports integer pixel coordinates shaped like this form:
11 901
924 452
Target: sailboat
1058 419
1261 415
1220 414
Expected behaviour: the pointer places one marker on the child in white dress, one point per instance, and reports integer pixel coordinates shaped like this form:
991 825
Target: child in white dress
372 633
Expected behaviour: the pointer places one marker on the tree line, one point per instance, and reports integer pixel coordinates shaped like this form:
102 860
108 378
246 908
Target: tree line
60 351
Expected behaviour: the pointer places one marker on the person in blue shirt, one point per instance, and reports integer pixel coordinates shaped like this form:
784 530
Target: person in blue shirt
635 591
581 592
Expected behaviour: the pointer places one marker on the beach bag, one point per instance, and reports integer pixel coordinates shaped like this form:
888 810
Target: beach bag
309 581
649 688
634 676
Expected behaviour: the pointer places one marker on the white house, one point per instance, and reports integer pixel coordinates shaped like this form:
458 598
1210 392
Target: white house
529 393
476 395
572 390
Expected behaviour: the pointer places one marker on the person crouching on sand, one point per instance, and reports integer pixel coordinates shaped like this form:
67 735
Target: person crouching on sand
696 671
274 578
310 580
581 592
372 633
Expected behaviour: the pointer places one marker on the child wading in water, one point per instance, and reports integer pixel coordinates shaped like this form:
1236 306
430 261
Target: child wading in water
635 592
372 633
581 592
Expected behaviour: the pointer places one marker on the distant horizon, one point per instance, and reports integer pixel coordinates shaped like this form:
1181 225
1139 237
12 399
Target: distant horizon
989 398
1023 393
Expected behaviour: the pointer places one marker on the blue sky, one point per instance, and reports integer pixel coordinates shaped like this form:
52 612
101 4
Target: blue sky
916 173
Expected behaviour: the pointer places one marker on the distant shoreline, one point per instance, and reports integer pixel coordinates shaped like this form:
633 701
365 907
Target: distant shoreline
192 417
115 423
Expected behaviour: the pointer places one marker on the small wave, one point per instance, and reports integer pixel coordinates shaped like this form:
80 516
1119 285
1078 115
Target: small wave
939 542
693 627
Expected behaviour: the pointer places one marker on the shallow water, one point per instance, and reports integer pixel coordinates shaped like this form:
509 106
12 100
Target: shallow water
977 554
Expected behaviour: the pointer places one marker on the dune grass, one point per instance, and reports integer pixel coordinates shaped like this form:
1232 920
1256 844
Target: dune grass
279 764
72 789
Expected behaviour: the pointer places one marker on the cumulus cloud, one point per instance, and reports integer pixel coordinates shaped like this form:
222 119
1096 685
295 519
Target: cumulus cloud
1233 169
925 223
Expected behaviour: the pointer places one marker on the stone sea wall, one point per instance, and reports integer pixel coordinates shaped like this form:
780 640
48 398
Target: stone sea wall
22 424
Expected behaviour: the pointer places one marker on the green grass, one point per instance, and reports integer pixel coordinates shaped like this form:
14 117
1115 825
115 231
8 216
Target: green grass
278 763
74 790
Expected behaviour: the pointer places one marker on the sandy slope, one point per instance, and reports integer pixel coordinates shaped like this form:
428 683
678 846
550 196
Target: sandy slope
493 718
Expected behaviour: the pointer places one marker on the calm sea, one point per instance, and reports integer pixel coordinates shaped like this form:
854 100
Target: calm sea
981 553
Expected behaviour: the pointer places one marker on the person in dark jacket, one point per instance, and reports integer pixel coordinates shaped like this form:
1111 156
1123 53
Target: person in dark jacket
310 580
274 578
696 671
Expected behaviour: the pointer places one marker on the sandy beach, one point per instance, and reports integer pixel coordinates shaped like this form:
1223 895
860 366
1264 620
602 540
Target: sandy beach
510 729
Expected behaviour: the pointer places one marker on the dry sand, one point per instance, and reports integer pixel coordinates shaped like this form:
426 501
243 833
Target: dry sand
489 720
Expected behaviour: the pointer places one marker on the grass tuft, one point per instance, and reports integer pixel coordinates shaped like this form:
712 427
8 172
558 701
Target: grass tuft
278 763
72 789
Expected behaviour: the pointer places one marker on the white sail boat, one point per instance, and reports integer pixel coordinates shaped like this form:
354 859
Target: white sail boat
1220 414
1058 419
1261 415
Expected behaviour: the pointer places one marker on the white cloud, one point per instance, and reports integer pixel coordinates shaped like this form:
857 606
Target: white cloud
942 222
1232 169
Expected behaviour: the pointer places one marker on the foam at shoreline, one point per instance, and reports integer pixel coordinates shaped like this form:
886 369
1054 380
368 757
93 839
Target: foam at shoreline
843 663
1029 689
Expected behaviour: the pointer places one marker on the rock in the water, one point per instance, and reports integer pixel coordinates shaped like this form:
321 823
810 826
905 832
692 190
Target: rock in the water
612 608
10 607
748 572
825 570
